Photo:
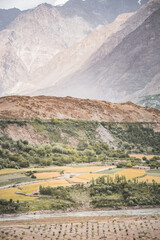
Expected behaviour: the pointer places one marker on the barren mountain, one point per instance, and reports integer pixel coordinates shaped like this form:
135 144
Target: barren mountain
98 12
74 108
74 57
126 66
31 41
7 16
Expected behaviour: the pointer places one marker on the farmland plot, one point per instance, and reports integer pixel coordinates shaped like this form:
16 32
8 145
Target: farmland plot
35 186
129 228
131 173
149 179
47 175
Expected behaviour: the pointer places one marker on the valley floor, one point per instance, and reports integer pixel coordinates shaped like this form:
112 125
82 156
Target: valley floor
82 228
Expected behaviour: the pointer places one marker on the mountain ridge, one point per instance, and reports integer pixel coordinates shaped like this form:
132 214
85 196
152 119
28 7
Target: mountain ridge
7 16
43 107
110 71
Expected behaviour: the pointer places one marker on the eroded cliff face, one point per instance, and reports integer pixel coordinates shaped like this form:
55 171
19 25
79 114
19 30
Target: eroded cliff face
74 108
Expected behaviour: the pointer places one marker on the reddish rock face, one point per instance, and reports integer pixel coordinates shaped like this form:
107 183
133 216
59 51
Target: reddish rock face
74 108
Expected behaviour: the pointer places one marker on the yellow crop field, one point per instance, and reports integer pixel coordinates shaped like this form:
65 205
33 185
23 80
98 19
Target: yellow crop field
30 188
47 175
131 173
77 180
10 171
10 193
149 179
84 169
141 156
90 176
128 173
23 170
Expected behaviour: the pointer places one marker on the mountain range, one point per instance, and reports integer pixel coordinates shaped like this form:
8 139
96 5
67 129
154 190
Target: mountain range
107 50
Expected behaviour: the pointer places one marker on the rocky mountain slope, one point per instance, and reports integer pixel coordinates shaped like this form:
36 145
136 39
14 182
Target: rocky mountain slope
125 67
35 37
31 40
98 12
72 59
73 108
7 16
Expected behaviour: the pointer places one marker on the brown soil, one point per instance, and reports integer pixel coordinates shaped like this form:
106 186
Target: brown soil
74 108
92 228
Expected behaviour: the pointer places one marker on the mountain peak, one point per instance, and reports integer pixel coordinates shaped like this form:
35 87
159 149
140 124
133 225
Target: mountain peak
46 5
47 10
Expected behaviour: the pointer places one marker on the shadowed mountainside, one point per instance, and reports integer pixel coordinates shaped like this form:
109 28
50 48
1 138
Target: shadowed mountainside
7 16
125 67
35 38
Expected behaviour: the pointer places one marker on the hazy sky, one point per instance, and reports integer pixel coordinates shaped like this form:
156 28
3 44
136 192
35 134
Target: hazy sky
26 4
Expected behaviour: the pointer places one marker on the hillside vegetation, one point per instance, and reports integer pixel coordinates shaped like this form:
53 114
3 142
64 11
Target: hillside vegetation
57 142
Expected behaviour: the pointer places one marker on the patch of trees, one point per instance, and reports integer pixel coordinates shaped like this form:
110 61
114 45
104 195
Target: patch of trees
10 206
61 198
139 137
153 162
120 192
131 137
20 154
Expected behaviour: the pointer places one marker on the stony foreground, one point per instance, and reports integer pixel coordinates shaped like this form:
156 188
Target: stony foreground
113 228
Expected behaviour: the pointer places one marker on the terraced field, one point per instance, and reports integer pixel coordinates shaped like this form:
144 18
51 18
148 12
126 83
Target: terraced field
128 173
149 179
69 176
10 193
90 176
67 169
28 189
47 175
23 170
131 173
